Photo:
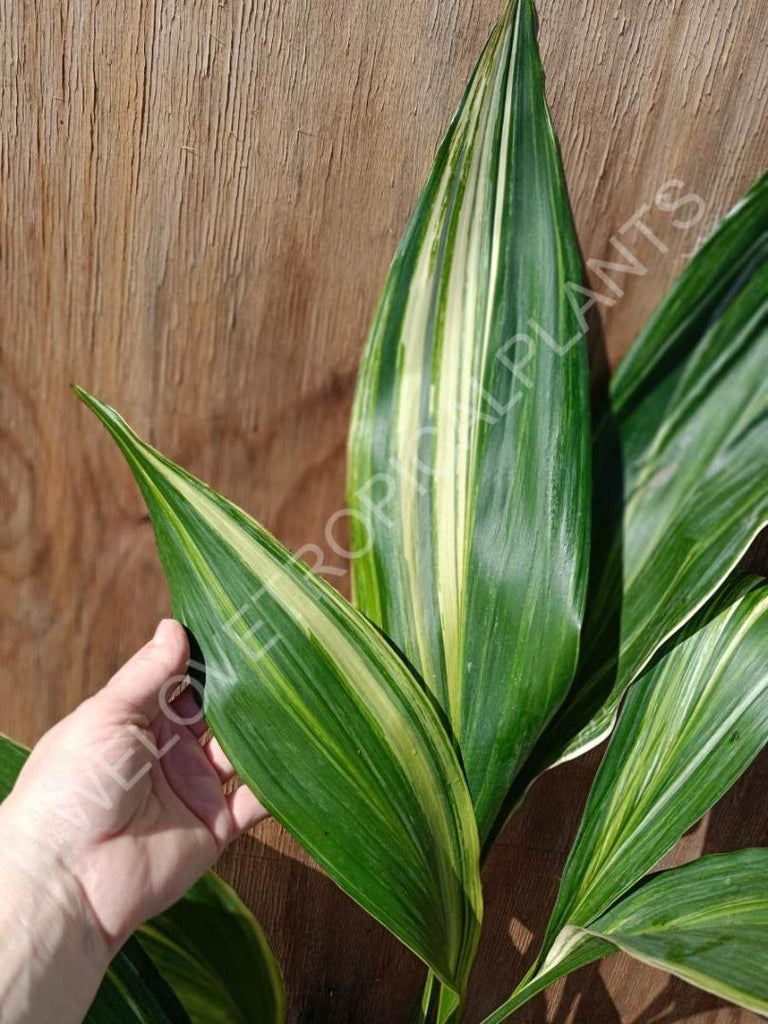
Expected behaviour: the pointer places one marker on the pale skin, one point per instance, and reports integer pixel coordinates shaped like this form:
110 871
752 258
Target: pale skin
119 809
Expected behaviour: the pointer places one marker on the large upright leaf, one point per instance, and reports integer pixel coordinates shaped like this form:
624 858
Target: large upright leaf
688 729
319 715
706 922
680 469
213 952
469 450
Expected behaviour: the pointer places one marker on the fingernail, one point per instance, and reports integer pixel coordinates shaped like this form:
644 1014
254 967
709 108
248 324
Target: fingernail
161 633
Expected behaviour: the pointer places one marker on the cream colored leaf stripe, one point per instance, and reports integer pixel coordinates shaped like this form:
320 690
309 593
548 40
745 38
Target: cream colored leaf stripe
469 449
383 771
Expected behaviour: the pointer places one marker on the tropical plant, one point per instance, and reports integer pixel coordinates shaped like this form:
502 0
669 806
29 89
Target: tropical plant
516 570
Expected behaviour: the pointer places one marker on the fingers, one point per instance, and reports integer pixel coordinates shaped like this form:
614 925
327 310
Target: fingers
245 810
184 710
151 675
143 687
219 760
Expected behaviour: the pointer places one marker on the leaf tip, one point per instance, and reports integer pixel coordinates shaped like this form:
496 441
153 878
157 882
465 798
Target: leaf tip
124 436
86 397
111 419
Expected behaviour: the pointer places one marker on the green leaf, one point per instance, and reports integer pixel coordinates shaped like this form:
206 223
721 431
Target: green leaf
133 991
12 758
582 949
680 462
688 730
319 715
469 451
215 956
706 922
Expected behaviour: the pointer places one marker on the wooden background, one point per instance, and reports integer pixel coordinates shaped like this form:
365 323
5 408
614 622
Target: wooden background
199 203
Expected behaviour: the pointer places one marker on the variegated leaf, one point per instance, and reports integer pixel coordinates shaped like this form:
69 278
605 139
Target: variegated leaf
319 715
214 954
469 452
689 728
134 992
706 922
680 470
12 758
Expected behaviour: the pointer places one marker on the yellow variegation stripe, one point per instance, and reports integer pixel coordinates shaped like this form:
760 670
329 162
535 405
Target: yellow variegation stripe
705 922
680 457
469 449
216 957
688 729
320 716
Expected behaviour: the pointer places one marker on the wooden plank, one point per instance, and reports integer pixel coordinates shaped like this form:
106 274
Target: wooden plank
199 204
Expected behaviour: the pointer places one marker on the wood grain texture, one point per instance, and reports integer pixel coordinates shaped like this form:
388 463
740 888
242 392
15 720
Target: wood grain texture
199 203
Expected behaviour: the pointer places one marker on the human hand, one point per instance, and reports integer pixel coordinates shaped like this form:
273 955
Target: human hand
119 808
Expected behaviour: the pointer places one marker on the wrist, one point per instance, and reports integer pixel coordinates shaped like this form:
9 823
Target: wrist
41 864
56 946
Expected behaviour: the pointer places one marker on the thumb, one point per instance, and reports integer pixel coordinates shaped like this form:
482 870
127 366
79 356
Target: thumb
152 673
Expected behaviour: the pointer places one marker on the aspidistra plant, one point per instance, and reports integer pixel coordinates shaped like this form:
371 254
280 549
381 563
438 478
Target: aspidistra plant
515 572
